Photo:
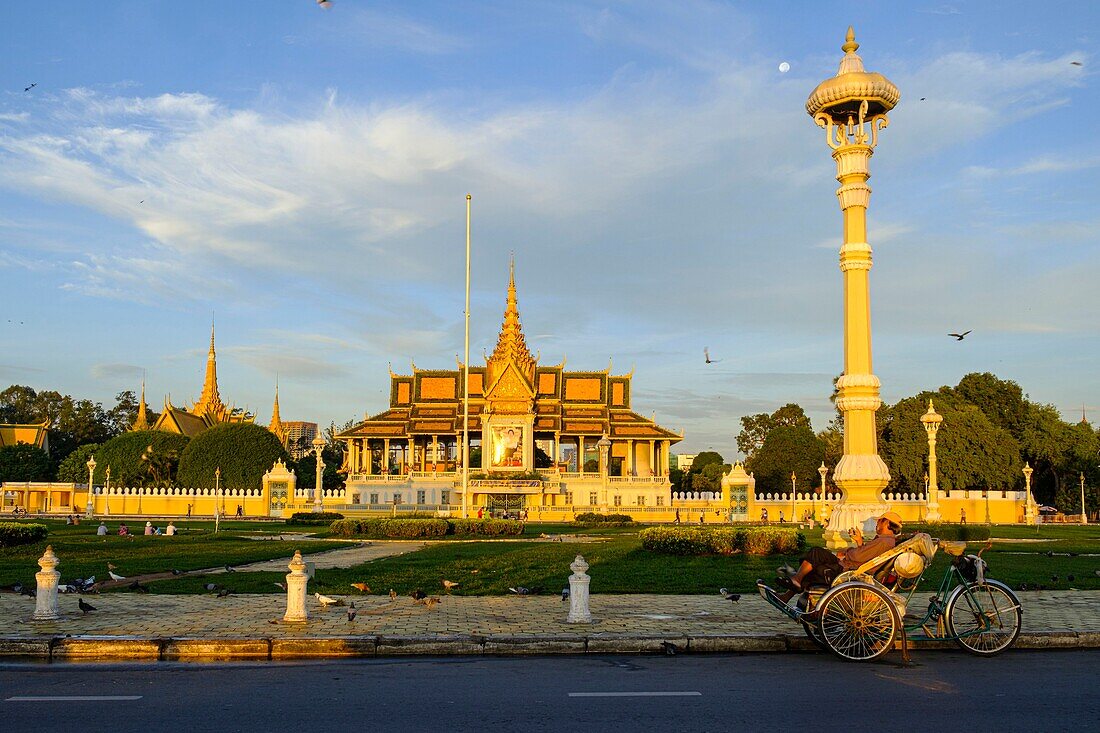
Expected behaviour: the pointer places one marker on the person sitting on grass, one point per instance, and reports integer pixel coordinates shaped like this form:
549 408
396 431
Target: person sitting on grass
171 530
819 566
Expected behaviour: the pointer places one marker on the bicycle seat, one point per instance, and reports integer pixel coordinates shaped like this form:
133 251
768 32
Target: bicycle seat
955 549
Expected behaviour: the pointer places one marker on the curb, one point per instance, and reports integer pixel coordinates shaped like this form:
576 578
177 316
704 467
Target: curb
130 648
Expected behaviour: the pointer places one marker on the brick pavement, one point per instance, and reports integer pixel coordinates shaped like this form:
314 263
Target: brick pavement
250 626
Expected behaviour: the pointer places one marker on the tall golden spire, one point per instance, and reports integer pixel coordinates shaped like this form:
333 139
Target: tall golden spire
142 421
276 425
209 400
511 346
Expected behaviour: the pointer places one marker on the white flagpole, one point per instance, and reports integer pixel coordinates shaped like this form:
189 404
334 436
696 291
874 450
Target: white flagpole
466 380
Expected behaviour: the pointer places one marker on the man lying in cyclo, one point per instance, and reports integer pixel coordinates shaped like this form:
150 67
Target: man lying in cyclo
819 566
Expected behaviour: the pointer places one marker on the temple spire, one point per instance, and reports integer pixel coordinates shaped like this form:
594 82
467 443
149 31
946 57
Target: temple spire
209 400
511 346
276 425
142 420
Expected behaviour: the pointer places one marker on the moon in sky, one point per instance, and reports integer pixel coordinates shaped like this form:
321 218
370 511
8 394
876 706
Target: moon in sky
784 67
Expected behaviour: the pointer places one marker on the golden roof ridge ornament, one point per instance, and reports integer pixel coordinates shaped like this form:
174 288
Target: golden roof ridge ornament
210 401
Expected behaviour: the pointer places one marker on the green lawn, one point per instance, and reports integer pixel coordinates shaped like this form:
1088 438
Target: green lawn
82 553
618 564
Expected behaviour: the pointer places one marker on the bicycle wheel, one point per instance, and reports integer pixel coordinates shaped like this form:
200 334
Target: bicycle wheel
858 621
984 620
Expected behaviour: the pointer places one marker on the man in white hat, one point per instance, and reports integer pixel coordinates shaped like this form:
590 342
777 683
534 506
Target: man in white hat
819 566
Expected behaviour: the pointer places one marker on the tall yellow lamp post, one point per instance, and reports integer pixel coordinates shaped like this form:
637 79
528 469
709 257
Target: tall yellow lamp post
823 472
1030 515
852 108
1084 514
932 421
90 510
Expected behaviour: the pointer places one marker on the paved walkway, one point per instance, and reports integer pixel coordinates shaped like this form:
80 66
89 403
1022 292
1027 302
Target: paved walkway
344 557
250 626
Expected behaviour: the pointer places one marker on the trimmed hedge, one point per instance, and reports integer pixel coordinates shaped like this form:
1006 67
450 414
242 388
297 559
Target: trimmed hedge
243 452
722 540
946 531
18 533
595 519
415 528
486 527
314 519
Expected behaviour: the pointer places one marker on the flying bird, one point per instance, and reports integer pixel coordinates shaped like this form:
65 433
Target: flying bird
923 98
1071 63
325 601
362 587
34 84
326 4
85 606
706 355
280 586
115 576
959 336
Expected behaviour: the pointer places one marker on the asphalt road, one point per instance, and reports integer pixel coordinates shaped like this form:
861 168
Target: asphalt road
941 691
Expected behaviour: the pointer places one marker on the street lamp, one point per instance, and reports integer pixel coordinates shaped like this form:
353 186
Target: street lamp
604 446
794 499
90 510
107 491
932 421
217 498
852 108
1084 515
821 471
318 446
1030 515
466 378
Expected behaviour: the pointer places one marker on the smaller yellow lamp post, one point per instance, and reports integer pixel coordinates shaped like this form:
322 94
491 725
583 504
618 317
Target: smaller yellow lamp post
90 509
218 504
1030 515
1084 514
822 471
318 500
604 446
107 492
794 497
932 421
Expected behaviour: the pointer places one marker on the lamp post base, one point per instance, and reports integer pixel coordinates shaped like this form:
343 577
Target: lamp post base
844 516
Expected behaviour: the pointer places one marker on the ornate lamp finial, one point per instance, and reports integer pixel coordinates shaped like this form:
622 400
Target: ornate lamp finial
850 44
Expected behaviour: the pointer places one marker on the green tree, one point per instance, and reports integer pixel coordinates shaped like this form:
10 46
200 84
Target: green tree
74 467
787 449
755 428
306 469
123 454
243 451
973 453
23 462
1001 400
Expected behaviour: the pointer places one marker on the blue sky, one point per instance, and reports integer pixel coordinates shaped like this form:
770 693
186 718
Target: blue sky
301 172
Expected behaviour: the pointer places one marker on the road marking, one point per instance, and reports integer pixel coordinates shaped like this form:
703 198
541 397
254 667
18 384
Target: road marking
684 693
72 698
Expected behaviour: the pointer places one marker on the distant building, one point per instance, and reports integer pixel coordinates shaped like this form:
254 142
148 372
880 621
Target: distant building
684 461
299 437
35 434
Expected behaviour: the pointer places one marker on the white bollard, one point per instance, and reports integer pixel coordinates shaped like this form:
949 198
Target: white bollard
45 601
296 581
579 612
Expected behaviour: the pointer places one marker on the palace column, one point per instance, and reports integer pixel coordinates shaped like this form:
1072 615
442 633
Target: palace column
410 459
852 108
630 457
385 455
665 464
652 458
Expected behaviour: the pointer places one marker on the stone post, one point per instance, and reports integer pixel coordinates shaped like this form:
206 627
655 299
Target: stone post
45 602
296 581
579 612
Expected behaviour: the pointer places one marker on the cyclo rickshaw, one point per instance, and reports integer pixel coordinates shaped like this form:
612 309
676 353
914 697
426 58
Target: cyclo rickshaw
864 611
